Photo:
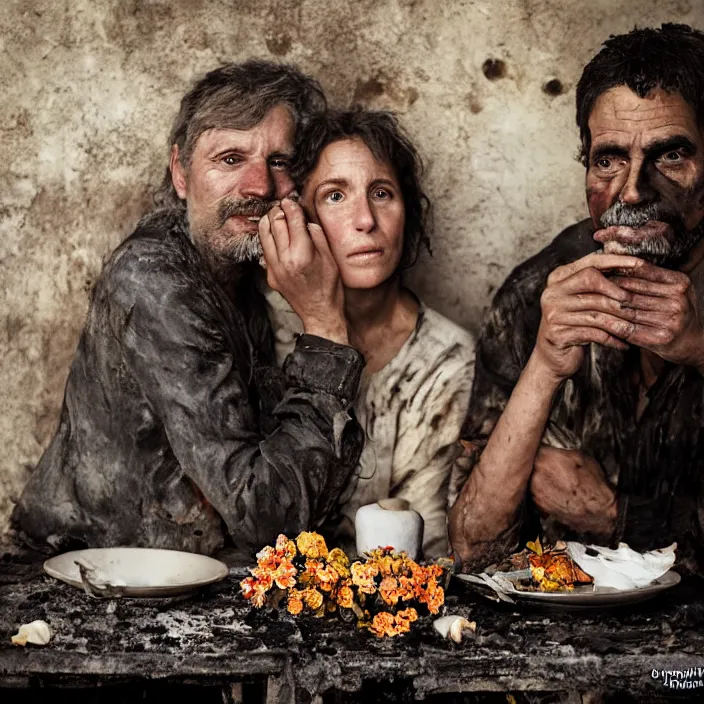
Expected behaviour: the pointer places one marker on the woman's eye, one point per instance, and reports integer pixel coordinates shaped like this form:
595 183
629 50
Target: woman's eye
381 194
334 197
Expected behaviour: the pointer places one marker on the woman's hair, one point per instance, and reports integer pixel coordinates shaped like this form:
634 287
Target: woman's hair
238 96
388 142
670 58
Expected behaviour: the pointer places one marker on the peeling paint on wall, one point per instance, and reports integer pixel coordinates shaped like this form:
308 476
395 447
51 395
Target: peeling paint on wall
486 88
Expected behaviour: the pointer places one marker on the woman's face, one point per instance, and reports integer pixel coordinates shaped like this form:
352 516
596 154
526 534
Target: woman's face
358 203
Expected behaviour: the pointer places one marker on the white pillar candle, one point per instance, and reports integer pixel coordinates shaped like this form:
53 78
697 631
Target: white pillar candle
389 522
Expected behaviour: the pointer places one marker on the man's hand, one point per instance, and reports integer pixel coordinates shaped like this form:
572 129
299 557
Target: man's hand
300 266
663 308
579 306
570 487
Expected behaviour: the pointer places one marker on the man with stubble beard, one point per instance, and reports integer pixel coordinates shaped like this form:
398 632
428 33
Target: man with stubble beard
177 429
587 409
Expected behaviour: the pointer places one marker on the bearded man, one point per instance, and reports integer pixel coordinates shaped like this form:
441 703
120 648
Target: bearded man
177 430
588 400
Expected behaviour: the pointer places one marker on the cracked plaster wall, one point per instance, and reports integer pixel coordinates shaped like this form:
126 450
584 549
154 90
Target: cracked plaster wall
89 87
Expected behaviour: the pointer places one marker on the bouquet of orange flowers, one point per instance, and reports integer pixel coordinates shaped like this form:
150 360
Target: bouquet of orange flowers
384 591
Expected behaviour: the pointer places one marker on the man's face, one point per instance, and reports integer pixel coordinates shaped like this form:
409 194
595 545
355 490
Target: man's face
645 175
233 178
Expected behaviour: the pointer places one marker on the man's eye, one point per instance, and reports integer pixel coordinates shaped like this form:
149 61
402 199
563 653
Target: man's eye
604 163
231 160
279 163
672 157
334 196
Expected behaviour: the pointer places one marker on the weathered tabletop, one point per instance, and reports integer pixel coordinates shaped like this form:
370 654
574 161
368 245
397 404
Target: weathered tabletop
215 637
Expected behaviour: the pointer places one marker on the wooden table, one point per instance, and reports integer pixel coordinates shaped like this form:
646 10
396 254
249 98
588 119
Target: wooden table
215 639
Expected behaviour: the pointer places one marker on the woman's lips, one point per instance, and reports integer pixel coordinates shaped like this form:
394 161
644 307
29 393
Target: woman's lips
365 256
623 234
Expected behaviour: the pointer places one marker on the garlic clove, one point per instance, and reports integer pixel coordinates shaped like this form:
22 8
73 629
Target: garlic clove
453 626
37 633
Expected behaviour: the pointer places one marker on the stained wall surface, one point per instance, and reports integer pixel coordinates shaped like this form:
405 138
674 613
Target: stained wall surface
89 88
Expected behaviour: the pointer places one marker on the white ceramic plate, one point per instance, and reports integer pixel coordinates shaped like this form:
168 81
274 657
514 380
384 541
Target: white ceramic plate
588 596
136 572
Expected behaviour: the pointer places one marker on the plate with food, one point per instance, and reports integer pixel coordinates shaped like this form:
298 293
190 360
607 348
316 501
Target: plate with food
575 576
135 572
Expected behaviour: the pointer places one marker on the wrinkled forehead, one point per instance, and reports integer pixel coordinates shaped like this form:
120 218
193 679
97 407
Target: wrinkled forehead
241 122
621 116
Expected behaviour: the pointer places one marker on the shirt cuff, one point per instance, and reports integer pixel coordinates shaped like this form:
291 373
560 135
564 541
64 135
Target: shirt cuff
322 365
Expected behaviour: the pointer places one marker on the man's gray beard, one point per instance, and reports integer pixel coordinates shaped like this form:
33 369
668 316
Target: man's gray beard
247 248
656 250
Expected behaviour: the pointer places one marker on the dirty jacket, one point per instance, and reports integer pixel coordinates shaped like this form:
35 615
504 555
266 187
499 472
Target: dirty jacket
177 430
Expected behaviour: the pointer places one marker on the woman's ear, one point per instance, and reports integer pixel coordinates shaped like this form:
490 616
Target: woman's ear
178 173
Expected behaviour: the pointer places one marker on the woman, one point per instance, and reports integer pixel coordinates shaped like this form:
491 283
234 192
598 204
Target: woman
359 179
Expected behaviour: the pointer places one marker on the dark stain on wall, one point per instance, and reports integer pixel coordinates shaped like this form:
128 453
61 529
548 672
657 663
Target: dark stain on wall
554 87
494 69
279 44
366 90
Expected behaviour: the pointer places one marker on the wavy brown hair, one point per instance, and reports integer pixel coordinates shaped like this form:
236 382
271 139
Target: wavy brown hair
389 143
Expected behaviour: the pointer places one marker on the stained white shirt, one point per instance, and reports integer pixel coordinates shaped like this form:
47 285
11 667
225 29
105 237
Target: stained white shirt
412 412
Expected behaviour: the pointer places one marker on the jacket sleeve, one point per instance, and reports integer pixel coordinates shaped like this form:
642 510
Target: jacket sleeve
192 360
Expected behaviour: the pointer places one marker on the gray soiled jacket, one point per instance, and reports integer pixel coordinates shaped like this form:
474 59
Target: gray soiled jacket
177 430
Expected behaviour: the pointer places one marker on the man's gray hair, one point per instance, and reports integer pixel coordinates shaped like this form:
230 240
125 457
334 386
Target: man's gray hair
238 96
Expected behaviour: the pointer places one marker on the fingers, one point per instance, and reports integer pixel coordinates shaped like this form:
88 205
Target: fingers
267 239
320 240
657 274
598 261
650 288
587 280
297 229
279 229
571 336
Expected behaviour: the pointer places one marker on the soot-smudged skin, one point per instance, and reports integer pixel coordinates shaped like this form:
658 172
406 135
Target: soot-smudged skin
656 463
177 428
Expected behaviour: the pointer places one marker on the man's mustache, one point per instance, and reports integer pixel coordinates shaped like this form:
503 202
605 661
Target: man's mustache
639 214
250 207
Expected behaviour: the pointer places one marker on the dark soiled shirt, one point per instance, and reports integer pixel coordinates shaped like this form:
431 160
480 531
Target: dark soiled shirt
177 429
655 462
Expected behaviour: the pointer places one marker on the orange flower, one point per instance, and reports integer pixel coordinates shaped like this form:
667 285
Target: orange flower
339 562
363 576
294 603
264 578
313 598
390 565
345 597
311 545
248 586
383 624
408 588
388 589
285 547
267 559
409 615
285 575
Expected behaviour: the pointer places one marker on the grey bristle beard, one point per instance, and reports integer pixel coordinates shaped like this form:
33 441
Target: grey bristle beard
656 251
